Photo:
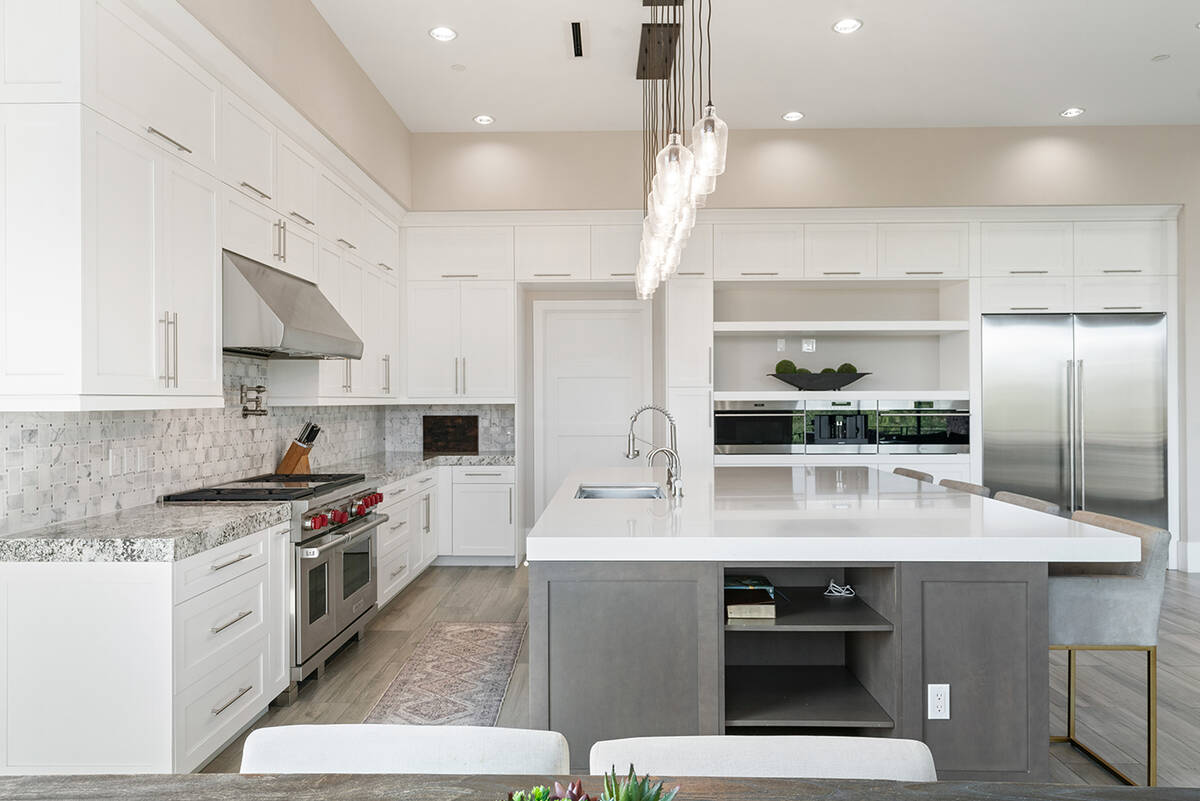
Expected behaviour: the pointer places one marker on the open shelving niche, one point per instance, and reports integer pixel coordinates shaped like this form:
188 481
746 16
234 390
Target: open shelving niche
824 665
912 336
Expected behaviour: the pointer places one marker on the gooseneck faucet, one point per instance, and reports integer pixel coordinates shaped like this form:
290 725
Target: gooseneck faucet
674 469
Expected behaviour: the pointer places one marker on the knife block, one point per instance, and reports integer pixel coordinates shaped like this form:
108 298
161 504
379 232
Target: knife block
295 461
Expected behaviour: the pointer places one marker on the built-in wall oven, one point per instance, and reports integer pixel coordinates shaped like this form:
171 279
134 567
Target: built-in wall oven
924 426
839 426
749 427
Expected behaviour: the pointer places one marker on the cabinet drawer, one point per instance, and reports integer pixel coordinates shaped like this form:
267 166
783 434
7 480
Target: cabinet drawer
214 625
395 570
212 710
214 567
484 475
398 528
407 487
1015 295
1121 294
552 252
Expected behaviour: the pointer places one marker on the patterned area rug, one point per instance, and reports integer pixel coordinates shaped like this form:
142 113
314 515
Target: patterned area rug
457 675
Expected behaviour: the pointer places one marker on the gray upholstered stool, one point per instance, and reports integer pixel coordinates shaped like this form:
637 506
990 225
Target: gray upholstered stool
917 474
965 486
1036 504
1111 607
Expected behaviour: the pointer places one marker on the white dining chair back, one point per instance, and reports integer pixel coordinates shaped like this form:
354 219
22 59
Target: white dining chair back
382 748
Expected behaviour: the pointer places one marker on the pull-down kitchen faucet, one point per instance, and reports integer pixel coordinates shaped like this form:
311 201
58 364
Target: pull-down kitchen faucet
674 469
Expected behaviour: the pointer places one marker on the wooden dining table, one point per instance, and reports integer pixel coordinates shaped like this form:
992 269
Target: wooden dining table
414 787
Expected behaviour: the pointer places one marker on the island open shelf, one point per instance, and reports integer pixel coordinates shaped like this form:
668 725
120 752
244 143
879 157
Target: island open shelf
805 611
813 696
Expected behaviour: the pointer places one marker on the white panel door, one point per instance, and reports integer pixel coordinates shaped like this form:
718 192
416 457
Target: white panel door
298 249
923 250
1025 248
332 372
341 213
191 258
696 260
482 520
40 66
382 240
689 333
246 154
1026 295
755 252
1120 248
371 367
552 252
615 251
250 228
353 311
124 305
295 182
390 331
280 556
592 369
433 339
488 340
839 250
692 408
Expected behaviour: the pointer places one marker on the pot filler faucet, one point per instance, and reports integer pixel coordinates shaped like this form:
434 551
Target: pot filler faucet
674 469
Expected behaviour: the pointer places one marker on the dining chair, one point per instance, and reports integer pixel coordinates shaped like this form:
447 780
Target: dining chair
966 486
783 756
910 473
385 748
1111 606
1029 502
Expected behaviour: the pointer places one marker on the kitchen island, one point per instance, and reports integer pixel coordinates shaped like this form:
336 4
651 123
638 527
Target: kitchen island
628 634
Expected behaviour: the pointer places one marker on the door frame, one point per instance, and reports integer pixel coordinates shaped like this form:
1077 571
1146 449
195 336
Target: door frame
541 309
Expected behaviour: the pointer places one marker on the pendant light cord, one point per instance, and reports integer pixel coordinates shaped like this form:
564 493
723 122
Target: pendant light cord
708 33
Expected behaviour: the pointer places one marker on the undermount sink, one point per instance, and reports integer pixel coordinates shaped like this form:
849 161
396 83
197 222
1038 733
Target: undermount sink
620 491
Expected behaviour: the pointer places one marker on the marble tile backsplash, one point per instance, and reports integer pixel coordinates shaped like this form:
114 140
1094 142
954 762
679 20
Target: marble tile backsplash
497 430
62 466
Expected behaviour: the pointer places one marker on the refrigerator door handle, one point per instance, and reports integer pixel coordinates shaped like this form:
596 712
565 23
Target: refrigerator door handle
1081 433
1071 428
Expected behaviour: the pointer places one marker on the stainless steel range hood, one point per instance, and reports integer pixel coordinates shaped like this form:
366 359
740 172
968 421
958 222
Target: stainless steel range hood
271 314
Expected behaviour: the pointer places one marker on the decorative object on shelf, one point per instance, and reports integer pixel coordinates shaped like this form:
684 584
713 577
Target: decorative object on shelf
630 788
676 178
785 366
253 400
572 792
835 590
749 597
826 380
846 367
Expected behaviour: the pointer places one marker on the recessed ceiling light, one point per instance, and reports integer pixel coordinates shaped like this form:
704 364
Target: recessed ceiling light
848 25
458 67
484 119
793 116
1073 111
1161 57
442 33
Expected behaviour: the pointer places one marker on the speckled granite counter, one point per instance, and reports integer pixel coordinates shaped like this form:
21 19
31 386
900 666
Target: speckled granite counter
385 468
152 533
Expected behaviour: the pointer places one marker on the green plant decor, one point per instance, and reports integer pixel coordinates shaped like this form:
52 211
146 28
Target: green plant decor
784 366
847 367
803 371
632 788
829 370
572 792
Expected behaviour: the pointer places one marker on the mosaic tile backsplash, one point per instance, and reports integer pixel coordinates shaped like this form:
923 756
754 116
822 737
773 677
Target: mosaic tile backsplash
62 466
497 429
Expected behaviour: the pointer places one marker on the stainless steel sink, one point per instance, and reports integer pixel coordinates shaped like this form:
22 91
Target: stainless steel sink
620 491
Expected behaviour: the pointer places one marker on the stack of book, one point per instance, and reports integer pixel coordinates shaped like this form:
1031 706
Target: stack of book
749 597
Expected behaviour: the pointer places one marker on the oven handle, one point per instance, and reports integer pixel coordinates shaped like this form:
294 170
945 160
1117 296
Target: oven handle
930 414
752 415
373 522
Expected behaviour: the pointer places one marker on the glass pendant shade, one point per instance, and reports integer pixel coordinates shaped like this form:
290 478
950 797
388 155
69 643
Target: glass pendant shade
659 217
673 171
710 141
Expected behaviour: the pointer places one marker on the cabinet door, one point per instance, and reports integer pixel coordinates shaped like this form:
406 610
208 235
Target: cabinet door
298 254
923 250
753 252
692 408
1025 248
390 330
250 228
615 251
1123 293
341 213
1120 248
427 510
840 250
352 309
246 155
332 372
482 522
295 182
382 240
697 258
484 252
488 340
689 333
280 553
373 335
433 339
191 257
1026 295
552 252
124 304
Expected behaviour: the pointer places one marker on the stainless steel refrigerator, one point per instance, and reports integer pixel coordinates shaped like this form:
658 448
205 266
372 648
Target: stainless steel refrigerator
1075 411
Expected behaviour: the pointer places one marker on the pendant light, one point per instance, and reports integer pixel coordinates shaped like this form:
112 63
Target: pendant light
710 141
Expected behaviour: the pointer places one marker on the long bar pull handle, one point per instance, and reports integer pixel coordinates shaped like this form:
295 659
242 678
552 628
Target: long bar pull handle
275 250
1082 434
710 364
239 616
175 349
301 217
228 562
348 243
283 240
464 369
387 373
1071 428
256 190
426 524
166 324
216 710
455 375
179 145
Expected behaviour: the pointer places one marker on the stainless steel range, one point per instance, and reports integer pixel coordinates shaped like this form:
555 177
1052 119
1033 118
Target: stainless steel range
334 586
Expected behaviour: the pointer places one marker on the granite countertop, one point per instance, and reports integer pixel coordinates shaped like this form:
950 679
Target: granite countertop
151 533
386 467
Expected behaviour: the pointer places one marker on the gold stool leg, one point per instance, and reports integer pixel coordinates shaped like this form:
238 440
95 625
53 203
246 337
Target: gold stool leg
1152 716
1072 684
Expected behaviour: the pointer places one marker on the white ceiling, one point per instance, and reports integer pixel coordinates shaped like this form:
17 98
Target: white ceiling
915 63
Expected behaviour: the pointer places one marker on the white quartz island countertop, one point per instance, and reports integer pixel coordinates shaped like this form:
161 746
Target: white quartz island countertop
808 514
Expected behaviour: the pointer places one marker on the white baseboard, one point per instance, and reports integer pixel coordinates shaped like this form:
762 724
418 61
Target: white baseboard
1187 557
474 561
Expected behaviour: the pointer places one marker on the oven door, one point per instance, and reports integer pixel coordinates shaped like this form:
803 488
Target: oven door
768 427
924 427
316 595
358 583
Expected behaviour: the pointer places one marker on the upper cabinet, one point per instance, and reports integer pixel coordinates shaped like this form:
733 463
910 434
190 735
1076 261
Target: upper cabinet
754 251
485 253
615 250
1026 248
840 250
1121 248
552 252
461 340
296 176
696 261
923 250
381 240
246 154
340 211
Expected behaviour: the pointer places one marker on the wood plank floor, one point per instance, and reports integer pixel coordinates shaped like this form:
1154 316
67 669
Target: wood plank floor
1111 701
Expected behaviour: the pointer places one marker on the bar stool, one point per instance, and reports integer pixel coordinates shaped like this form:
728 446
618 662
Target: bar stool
1029 502
1111 607
910 473
966 486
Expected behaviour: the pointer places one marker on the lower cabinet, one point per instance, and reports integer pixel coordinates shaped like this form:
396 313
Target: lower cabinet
408 541
484 516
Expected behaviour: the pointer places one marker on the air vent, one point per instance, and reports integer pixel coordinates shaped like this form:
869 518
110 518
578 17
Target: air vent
577 38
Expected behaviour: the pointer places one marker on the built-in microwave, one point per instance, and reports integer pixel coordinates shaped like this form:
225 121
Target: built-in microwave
767 427
840 426
924 426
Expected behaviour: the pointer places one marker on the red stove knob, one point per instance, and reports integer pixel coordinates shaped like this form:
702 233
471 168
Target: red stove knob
322 521
379 497
361 509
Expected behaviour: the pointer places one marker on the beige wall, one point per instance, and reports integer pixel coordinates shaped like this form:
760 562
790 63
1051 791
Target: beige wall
289 44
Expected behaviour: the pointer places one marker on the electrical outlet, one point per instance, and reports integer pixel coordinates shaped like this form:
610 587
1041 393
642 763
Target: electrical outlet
939 702
808 345
115 465
780 345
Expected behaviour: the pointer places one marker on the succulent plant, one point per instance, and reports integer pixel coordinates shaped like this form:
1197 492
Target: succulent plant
533 794
784 366
572 792
632 788
847 367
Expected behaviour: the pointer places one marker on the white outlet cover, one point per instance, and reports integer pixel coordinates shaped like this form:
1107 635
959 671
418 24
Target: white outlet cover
808 345
115 464
939 702
781 345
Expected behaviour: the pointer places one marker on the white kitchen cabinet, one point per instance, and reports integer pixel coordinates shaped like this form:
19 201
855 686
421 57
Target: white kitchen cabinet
552 252
299 247
1123 293
483 519
1121 248
280 566
425 508
1026 248
689 333
693 411
840 250
382 240
246 149
250 228
341 212
483 253
37 67
380 308
614 251
461 339
923 250
1026 295
296 176
758 251
396 565
696 261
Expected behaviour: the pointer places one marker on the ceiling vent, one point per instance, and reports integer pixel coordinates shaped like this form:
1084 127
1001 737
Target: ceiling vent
577 39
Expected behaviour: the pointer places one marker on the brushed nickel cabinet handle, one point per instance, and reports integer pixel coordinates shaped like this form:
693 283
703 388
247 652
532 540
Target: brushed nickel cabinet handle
464 369
425 480
924 272
301 218
1130 270
1028 308
348 244
1122 308
844 272
510 505
239 616
384 266
179 145
621 275
398 571
1028 272
387 373
166 324
460 275
283 240
759 273
497 473
216 710
455 375
175 349
227 563
551 275
710 364
697 272
256 190
275 248
427 527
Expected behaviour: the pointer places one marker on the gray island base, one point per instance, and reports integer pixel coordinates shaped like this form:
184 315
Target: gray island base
625 647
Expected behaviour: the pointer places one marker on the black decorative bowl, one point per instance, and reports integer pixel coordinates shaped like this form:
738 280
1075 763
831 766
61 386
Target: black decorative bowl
818 381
